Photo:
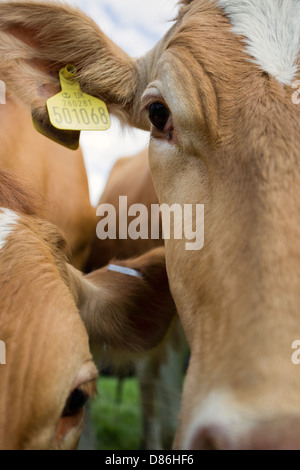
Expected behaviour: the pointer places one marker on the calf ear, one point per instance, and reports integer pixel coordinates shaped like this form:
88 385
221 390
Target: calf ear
126 312
37 39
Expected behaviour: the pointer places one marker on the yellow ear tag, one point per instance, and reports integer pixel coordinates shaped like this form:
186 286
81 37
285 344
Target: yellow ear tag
73 110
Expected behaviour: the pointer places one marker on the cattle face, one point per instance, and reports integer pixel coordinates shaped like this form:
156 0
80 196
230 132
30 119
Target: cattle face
235 148
48 373
225 133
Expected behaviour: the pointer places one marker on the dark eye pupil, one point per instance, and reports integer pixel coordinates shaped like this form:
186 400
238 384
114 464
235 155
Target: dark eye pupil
75 402
158 115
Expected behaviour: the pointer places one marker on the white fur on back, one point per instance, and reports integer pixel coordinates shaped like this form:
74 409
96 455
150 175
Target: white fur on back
272 32
8 219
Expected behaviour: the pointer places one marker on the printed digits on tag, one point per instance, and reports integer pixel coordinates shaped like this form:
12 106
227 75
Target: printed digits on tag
103 116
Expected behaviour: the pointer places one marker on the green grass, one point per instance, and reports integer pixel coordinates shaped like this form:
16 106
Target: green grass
117 415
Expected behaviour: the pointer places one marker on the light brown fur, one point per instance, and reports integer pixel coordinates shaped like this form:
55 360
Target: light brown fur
160 374
57 176
130 177
48 354
47 345
235 148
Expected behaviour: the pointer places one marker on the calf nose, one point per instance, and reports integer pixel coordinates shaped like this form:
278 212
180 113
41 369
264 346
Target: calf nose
209 437
277 434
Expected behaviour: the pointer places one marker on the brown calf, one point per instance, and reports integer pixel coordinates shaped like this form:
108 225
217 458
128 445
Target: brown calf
160 375
57 174
49 374
219 90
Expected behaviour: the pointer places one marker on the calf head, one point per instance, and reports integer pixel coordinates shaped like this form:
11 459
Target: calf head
49 373
225 133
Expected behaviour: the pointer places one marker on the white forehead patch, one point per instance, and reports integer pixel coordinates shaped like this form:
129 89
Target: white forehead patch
8 219
272 33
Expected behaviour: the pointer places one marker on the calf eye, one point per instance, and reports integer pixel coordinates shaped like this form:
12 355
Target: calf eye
159 116
75 402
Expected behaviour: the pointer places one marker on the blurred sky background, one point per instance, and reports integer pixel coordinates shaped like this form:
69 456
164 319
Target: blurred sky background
136 26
